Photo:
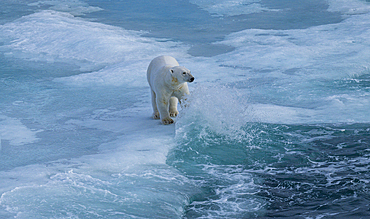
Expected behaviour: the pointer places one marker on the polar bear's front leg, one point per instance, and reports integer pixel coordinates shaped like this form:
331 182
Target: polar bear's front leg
173 107
163 105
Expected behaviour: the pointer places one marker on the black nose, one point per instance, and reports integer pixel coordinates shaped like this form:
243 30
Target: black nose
191 79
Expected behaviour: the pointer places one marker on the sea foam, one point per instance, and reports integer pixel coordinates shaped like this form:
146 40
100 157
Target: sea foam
74 7
231 8
50 36
13 132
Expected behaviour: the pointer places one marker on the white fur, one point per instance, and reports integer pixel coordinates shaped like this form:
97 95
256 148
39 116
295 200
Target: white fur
168 84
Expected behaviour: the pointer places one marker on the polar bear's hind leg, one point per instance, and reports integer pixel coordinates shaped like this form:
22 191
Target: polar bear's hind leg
154 104
156 115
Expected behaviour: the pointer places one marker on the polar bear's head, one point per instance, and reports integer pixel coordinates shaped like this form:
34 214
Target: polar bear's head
182 74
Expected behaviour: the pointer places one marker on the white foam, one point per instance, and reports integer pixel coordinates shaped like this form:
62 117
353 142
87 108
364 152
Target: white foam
87 194
128 173
215 107
73 7
15 132
124 73
349 7
233 200
311 51
299 71
282 114
231 7
51 36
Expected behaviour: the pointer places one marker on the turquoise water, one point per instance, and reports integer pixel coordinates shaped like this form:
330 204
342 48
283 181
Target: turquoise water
277 123
278 171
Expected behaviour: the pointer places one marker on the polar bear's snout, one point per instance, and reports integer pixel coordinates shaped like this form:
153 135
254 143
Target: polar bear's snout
189 77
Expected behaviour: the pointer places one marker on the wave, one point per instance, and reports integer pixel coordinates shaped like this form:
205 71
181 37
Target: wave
275 168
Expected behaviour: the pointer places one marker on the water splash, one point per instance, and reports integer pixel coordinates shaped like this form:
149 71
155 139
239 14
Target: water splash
216 108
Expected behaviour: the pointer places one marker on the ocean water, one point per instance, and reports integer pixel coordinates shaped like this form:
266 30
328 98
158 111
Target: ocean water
277 123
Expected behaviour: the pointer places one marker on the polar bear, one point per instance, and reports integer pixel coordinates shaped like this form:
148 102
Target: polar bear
168 84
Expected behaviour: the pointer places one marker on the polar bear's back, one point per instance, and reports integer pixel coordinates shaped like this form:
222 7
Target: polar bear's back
157 64
161 61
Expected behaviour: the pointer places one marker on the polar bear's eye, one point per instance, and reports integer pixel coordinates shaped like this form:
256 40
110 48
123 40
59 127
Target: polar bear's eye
184 73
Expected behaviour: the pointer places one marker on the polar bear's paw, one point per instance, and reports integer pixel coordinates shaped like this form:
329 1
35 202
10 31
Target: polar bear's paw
167 121
156 115
174 113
